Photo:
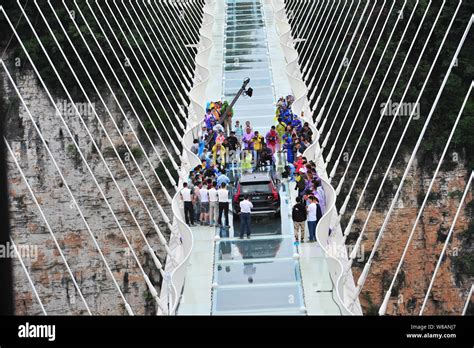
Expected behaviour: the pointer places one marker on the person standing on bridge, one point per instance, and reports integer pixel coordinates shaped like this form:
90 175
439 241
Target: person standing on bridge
222 178
197 201
245 219
233 145
227 113
272 139
298 215
239 131
247 139
258 141
204 198
312 218
186 195
213 205
314 215
223 196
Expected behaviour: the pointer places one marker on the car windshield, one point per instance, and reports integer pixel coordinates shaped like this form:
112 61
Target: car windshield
255 187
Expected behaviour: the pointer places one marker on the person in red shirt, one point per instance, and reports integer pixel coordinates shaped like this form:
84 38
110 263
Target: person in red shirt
272 139
299 163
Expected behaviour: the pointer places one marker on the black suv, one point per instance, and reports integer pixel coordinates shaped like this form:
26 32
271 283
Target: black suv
262 190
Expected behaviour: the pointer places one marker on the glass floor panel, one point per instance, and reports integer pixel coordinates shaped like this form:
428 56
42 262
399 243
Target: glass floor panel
245 45
255 100
239 26
234 31
239 37
245 51
234 73
261 272
260 110
237 65
263 82
249 58
257 298
256 107
244 21
248 249
245 12
244 38
232 17
256 91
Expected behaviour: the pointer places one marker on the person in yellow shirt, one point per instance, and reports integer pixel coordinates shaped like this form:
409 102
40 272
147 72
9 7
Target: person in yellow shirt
281 129
247 161
218 154
258 141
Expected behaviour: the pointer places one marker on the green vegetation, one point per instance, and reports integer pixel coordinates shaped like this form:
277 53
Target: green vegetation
371 309
71 149
160 171
136 152
164 84
147 296
464 264
455 194
462 145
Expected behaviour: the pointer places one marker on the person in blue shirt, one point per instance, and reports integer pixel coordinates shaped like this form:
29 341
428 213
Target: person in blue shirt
288 145
287 117
296 124
222 178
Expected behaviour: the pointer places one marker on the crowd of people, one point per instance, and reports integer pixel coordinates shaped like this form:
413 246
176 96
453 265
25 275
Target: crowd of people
220 145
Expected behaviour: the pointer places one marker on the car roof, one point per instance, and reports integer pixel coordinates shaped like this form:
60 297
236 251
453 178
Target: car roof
250 177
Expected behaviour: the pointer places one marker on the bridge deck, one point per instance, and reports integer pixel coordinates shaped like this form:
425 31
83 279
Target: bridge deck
260 275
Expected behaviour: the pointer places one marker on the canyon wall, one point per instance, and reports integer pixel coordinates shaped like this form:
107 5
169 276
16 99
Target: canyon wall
29 231
455 275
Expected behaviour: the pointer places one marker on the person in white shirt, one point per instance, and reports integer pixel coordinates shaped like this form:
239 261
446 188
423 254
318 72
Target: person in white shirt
312 209
204 198
188 204
245 210
213 205
197 201
223 197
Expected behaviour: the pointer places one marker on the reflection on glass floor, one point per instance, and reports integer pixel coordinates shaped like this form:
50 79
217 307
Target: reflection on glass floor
257 275
258 272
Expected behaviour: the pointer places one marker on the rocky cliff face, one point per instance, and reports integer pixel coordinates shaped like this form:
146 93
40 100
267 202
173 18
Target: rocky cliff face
45 266
455 276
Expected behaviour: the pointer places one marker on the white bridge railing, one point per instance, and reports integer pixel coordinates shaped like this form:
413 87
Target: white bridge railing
182 240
